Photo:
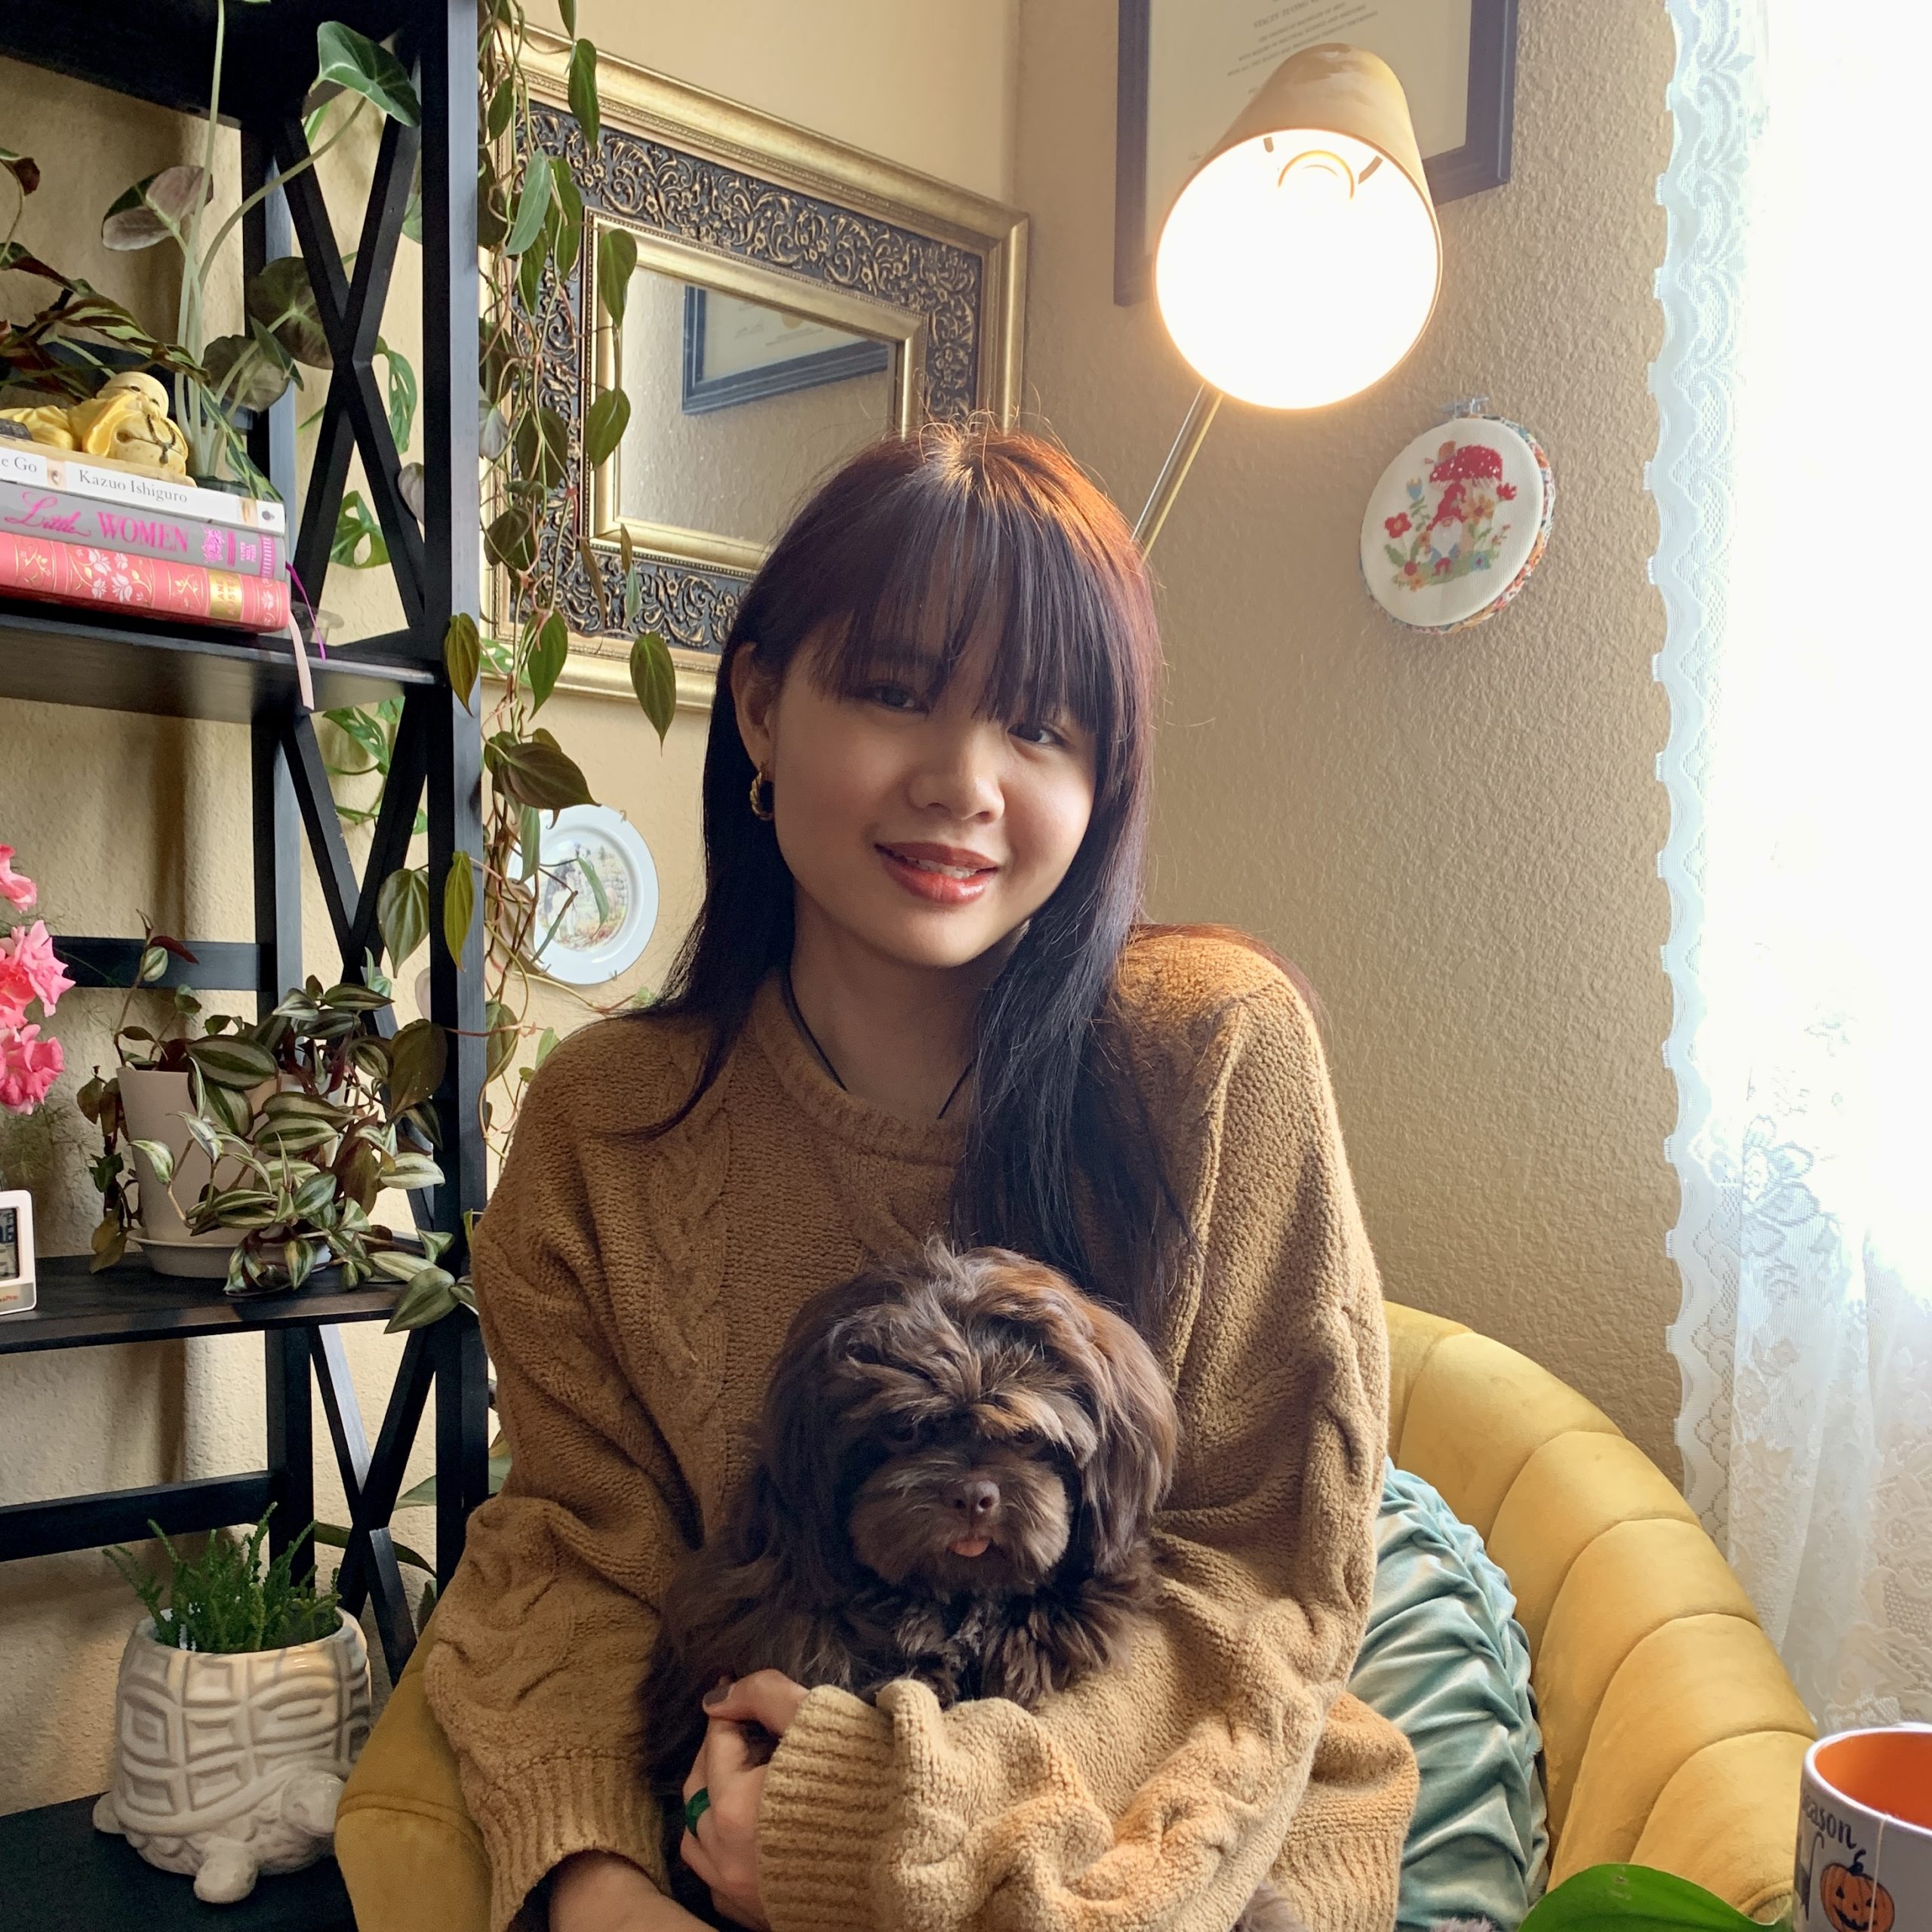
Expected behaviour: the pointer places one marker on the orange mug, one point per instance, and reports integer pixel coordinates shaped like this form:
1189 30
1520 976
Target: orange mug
1865 1832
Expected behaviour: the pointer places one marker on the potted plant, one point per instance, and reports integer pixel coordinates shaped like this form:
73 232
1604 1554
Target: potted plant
142 1107
242 1702
217 376
305 1118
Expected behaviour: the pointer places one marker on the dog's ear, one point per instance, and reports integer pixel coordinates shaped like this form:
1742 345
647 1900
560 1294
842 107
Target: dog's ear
804 1431
1129 1470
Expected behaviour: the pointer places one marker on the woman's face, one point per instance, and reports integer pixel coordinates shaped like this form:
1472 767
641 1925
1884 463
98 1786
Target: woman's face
929 834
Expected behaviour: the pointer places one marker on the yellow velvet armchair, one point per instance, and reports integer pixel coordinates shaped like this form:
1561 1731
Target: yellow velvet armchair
1672 1735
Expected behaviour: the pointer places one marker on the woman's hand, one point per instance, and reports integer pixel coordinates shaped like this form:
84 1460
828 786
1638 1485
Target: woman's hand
723 1850
598 1891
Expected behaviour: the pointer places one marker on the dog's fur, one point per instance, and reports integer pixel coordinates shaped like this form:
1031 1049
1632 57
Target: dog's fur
916 1411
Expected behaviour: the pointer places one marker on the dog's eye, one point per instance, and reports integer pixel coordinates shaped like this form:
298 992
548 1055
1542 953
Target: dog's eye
904 1434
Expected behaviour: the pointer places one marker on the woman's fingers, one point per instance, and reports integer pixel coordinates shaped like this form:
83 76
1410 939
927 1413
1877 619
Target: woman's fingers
768 1697
722 1849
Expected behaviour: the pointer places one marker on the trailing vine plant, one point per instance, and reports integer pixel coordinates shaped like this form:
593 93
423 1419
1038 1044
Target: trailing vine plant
530 223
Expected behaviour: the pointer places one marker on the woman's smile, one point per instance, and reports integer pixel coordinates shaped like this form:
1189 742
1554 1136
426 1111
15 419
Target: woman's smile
940 875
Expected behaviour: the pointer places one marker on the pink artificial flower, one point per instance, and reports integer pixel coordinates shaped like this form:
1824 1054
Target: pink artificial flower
12 886
28 1067
28 971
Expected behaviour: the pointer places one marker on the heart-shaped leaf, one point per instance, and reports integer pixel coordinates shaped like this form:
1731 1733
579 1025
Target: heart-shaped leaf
463 653
418 1056
23 168
155 208
281 297
654 678
499 1039
502 105
411 486
604 425
402 911
511 539
583 91
241 375
458 903
548 655
537 772
352 60
543 447
532 206
616 262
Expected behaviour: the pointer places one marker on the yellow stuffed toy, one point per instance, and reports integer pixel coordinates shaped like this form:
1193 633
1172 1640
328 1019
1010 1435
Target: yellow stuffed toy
127 423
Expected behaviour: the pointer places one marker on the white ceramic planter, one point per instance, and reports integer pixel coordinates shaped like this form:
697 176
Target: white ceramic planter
153 1103
227 1766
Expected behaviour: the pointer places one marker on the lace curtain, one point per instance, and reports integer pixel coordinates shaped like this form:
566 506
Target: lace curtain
1793 488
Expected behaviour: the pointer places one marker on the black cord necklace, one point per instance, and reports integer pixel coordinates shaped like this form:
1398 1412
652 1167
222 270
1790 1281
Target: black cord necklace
825 1059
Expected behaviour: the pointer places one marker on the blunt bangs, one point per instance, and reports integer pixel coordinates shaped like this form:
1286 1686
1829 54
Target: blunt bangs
968 539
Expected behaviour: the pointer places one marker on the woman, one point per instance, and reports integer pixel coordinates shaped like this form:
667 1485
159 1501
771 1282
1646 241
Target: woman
916 997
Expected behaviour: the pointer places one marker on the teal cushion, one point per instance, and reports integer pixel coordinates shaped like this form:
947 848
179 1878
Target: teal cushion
1445 1660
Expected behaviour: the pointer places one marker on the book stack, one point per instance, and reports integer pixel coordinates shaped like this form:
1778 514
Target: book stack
103 534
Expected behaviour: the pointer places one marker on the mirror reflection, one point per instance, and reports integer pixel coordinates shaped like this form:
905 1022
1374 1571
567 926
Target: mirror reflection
737 407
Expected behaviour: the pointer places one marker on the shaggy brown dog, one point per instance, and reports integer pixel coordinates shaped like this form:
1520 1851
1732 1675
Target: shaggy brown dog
958 1457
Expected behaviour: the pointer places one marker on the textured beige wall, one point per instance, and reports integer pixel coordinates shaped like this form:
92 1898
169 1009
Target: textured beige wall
1455 837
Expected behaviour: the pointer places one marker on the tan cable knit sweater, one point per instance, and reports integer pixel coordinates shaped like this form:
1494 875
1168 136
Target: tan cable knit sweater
632 1294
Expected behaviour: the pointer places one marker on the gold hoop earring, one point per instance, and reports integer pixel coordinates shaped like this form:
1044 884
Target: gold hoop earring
760 808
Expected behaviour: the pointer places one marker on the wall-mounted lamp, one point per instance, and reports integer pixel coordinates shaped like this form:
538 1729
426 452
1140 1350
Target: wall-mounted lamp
1301 262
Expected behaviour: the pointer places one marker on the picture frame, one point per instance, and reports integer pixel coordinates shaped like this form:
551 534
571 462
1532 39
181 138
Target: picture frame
762 363
1178 92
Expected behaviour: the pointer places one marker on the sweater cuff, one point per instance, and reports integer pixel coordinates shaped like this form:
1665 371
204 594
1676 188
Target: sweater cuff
826 1810
546 1810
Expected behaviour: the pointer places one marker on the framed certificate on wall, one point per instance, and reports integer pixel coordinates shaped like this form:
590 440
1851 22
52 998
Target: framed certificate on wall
1188 67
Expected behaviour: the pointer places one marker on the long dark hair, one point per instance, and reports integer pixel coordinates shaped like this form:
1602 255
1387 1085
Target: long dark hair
957 527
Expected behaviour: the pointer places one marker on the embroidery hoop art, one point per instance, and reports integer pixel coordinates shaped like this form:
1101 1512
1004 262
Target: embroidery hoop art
1437 573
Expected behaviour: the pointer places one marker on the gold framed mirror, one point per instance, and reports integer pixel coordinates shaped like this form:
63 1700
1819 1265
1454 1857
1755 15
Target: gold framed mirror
793 298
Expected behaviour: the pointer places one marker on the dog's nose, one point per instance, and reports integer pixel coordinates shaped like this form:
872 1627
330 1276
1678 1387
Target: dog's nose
976 1500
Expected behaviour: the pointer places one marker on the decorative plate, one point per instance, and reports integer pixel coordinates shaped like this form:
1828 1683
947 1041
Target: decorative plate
599 893
1457 523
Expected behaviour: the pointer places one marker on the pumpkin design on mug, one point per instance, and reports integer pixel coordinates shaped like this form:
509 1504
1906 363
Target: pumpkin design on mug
1853 1902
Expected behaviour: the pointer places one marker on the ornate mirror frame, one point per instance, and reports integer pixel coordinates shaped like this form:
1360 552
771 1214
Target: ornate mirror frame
734 200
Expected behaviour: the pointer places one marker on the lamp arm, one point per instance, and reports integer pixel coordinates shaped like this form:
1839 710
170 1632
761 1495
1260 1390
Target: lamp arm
1174 472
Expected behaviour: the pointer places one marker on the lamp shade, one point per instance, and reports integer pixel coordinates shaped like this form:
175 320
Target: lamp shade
1301 262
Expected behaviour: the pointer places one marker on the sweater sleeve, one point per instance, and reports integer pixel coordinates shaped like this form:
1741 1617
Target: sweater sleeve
1154 1797
543 1633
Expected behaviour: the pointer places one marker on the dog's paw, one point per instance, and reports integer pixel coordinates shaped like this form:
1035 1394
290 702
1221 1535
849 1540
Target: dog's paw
1268 1910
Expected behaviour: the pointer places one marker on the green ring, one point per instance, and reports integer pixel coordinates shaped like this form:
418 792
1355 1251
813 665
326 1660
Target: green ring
696 1806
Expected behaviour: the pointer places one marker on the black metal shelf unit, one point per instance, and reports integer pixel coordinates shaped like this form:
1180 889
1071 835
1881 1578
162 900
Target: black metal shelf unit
161 51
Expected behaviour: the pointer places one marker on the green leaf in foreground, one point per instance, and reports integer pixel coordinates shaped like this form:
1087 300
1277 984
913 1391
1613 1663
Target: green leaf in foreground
458 903
604 425
531 208
583 91
616 262
402 911
463 653
1632 1898
354 61
654 678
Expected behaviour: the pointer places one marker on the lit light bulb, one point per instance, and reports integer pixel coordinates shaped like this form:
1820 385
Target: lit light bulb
1296 268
